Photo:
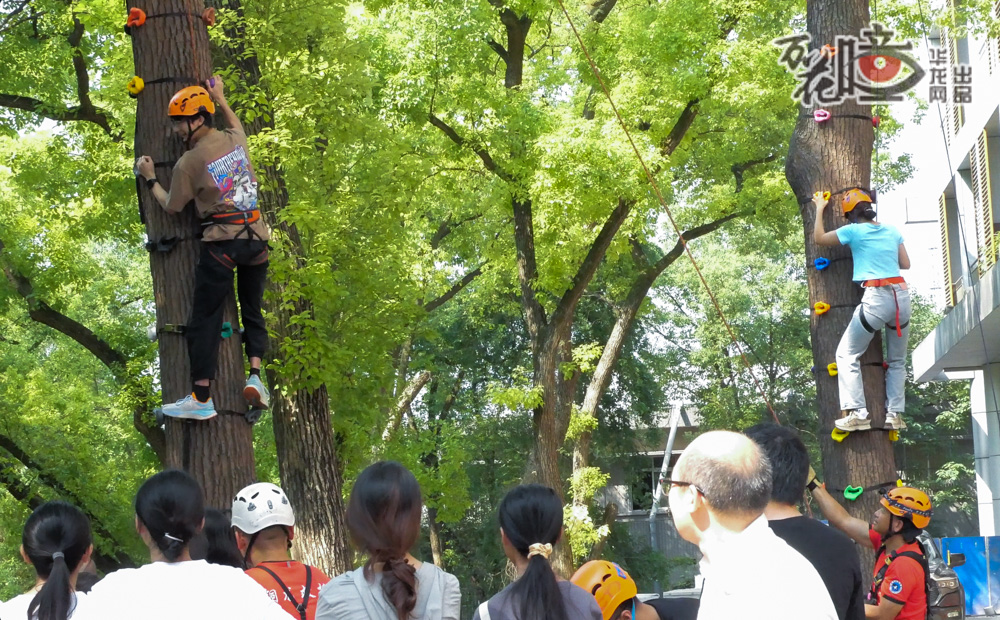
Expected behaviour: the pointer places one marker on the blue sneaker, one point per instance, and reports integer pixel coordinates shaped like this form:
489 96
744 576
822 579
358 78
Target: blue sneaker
256 394
190 408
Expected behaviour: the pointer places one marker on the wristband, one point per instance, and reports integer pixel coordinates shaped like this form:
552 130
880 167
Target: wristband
812 484
151 182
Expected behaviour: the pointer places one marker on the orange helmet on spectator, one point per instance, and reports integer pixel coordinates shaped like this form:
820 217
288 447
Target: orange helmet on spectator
609 584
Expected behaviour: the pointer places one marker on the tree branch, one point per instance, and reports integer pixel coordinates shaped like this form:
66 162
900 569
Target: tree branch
585 273
499 49
86 111
739 169
405 400
455 289
461 142
676 135
41 312
447 226
105 562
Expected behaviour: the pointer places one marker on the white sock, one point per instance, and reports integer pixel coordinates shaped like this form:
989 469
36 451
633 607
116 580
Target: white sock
891 414
862 413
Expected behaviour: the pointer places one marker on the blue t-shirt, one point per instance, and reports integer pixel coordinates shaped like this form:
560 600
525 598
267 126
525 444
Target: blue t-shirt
875 249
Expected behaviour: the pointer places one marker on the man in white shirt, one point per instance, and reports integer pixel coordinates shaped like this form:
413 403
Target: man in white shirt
717 495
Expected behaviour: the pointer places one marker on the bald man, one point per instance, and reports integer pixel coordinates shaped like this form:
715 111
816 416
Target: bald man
717 495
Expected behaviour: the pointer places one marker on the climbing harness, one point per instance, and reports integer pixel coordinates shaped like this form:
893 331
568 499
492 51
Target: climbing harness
234 218
878 284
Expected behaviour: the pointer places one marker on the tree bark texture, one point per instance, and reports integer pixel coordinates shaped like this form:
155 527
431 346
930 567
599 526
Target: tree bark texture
303 431
830 156
218 452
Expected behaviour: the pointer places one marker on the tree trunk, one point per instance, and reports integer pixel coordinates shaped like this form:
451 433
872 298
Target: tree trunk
829 157
437 544
303 432
218 452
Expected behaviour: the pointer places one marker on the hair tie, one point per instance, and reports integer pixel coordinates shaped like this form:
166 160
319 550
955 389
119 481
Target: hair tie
57 555
174 538
544 550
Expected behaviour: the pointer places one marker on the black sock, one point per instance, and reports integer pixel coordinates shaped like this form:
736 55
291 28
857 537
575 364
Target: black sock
202 393
255 372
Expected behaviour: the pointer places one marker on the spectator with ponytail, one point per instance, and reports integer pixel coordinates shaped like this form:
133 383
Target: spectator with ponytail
56 541
531 522
383 516
169 513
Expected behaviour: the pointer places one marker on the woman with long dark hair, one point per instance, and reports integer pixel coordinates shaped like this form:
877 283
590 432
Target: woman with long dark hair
169 513
215 543
56 541
531 522
383 516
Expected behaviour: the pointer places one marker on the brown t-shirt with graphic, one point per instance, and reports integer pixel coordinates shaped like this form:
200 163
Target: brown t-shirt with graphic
216 173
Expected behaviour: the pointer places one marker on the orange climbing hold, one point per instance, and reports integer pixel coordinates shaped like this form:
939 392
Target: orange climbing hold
136 17
828 50
208 16
821 307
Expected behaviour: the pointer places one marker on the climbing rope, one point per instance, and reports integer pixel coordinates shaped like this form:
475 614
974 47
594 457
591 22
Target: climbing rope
666 209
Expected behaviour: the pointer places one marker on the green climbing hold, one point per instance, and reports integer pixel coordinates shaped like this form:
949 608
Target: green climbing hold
853 493
227 329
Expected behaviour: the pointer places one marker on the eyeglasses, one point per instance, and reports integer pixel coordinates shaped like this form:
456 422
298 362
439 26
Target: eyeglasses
681 483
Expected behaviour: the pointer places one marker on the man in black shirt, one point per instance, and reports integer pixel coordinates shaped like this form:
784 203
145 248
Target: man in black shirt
832 553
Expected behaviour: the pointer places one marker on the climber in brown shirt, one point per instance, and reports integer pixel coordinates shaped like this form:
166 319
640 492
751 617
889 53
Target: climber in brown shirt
216 175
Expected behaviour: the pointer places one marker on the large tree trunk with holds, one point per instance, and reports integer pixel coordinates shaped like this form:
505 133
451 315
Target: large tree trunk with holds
828 157
218 452
310 472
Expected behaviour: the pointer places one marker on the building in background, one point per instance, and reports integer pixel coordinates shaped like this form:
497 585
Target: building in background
966 343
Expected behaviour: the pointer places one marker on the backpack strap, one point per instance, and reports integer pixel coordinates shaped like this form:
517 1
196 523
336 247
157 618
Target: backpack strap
300 607
484 611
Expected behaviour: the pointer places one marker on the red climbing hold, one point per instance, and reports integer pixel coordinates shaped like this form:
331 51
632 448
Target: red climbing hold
821 115
875 121
136 17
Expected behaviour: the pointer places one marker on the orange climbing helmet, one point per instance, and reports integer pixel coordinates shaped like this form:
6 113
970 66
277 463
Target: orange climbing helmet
190 101
852 198
609 584
910 503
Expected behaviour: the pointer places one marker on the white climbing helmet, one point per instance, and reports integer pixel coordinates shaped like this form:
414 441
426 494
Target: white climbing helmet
260 506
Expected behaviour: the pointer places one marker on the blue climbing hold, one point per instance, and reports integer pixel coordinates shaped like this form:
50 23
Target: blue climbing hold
821 263
227 329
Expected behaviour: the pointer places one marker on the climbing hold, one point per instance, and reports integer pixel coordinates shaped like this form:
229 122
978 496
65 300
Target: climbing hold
899 481
894 436
821 115
852 493
832 369
253 416
885 365
828 50
839 435
136 18
875 121
821 307
821 263
208 16
135 86
227 329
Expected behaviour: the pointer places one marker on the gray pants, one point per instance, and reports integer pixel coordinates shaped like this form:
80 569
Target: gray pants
879 310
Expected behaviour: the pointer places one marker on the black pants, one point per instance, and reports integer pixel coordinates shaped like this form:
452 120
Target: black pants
213 281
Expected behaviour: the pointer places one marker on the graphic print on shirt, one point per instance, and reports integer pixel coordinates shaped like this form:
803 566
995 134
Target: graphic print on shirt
895 587
233 177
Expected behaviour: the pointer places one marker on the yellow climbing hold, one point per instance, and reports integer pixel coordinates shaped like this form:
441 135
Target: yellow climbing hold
894 436
839 435
832 369
135 86
821 307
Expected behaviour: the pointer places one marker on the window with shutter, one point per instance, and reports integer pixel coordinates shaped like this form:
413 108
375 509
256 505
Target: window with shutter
983 201
949 282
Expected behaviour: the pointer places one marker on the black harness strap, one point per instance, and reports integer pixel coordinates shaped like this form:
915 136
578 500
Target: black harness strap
864 321
300 607
920 558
